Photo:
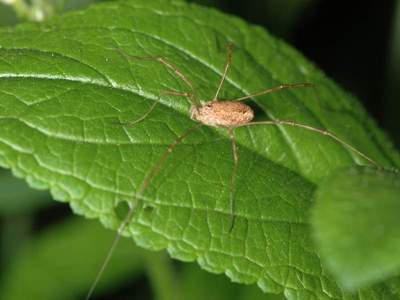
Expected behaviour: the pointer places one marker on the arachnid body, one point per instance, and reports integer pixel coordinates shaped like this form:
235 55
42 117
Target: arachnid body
229 114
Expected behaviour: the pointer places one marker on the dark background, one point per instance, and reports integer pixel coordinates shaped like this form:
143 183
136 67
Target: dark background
357 43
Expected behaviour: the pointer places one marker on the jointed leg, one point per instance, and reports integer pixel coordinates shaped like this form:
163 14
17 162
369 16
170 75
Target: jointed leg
275 89
140 119
145 183
176 93
193 98
227 65
235 155
318 130
156 168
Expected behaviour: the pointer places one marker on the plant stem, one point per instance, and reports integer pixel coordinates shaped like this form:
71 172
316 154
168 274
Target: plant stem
162 276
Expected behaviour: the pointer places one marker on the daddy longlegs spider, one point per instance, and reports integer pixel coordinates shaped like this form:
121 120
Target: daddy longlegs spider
230 114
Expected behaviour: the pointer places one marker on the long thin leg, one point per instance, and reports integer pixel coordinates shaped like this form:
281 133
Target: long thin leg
235 155
176 93
145 183
140 119
193 98
321 131
226 68
164 157
275 89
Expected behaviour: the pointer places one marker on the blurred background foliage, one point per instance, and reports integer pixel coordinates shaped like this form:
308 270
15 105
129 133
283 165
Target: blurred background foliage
46 253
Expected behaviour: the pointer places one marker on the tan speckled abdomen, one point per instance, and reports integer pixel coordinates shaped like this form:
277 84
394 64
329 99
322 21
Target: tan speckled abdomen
223 113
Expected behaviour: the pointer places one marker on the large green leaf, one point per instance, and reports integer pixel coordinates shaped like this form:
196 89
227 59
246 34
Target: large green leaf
63 86
61 263
357 225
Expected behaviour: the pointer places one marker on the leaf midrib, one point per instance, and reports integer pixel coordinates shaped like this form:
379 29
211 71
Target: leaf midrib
149 96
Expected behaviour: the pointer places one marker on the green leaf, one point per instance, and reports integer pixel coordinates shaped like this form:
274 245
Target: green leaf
357 225
63 86
62 262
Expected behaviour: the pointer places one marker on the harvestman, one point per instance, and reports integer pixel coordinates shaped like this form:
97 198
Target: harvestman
229 114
